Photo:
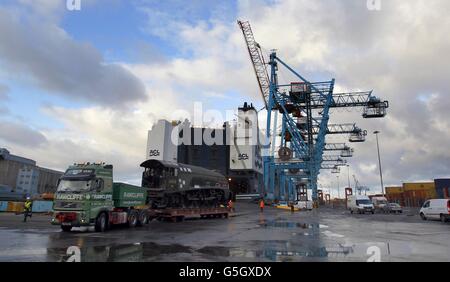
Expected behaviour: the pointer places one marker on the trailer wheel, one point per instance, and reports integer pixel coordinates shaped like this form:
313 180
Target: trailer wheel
132 219
66 228
143 218
100 223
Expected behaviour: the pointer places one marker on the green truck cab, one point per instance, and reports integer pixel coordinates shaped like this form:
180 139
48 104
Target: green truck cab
87 196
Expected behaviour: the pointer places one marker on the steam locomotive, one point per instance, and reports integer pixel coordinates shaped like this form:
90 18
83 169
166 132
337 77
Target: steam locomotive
176 185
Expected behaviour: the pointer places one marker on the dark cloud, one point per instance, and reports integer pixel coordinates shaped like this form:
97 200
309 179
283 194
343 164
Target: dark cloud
20 134
59 64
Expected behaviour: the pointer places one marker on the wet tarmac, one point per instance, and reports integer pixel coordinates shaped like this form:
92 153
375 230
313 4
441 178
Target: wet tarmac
274 235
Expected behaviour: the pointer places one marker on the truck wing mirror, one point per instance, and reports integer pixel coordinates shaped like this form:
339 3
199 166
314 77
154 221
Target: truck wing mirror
98 185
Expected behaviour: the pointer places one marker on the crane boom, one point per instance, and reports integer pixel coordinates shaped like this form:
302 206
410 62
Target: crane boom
257 58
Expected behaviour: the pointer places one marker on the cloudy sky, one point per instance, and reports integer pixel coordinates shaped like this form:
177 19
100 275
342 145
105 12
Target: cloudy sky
87 85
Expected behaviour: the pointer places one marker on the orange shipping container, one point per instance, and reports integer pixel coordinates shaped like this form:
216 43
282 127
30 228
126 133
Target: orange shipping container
418 186
416 198
394 190
15 207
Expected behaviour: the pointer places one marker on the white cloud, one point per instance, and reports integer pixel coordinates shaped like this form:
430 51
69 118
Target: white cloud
401 52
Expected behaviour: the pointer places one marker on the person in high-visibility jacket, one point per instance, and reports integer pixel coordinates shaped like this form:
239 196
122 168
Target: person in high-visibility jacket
261 205
231 206
27 209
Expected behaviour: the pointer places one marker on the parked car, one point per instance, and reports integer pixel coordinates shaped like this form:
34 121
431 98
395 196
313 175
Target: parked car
360 204
436 209
393 208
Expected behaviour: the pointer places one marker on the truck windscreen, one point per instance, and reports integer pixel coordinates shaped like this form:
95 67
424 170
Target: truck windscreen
74 186
363 202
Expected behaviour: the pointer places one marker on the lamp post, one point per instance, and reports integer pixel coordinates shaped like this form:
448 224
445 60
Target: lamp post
379 162
348 175
339 194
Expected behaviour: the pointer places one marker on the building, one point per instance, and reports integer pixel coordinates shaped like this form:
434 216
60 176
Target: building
27 181
10 165
227 150
20 176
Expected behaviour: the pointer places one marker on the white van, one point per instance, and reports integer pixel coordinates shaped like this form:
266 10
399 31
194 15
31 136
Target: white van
304 205
436 209
380 203
360 204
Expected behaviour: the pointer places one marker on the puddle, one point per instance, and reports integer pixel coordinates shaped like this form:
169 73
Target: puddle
286 224
278 254
119 253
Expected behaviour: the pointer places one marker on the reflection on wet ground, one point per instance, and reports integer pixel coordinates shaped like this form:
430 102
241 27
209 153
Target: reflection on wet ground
118 253
149 250
270 236
272 253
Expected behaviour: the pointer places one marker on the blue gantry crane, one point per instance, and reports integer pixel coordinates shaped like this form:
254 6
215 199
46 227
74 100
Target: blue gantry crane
304 107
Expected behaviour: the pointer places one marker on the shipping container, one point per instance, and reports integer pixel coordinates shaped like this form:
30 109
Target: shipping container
42 206
442 188
396 198
3 206
126 195
416 198
394 190
419 186
15 207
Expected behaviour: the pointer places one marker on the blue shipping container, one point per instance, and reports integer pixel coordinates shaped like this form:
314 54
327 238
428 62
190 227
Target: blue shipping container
3 206
441 185
42 206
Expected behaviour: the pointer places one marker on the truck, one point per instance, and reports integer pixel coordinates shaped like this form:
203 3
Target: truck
87 196
380 203
360 204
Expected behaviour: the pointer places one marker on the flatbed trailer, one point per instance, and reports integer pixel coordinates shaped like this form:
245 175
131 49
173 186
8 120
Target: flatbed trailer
176 215
87 196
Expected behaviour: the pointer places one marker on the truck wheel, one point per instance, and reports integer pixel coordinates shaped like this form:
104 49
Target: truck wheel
66 228
132 219
443 218
100 223
351 211
143 218
422 216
